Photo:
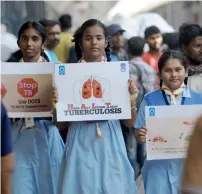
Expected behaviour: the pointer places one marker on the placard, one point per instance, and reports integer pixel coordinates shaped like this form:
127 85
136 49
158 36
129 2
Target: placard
26 89
169 130
92 91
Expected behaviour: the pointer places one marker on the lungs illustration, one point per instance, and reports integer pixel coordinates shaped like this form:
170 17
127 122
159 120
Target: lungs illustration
86 90
97 89
92 88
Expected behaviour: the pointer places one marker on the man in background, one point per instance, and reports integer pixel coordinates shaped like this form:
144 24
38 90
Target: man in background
6 152
171 41
154 39
53 32
144 77
63 48
118 42
190 40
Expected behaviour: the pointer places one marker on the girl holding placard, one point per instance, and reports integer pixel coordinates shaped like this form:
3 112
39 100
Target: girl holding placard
164 176
38 147
95 159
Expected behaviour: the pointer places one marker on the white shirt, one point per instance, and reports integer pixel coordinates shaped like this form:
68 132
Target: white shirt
195 83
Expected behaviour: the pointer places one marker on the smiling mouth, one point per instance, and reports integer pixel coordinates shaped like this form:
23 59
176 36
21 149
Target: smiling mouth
174 80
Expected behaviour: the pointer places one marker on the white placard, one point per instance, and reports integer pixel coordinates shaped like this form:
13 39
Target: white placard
169 130
92 91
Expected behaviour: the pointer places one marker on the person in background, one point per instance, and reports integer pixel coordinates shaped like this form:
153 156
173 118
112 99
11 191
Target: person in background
192 178
190 40
154 40
7 164
72 54
118 42
53 31
171 41
144 77
195 82
8 43
62 50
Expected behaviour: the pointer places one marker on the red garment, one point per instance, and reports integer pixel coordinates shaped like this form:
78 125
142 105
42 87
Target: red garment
152 60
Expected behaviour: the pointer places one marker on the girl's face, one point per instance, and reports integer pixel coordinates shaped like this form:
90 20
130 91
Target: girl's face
30 43
173 74
93 43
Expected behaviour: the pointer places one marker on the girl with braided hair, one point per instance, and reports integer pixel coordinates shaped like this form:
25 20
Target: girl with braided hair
92 163
38 149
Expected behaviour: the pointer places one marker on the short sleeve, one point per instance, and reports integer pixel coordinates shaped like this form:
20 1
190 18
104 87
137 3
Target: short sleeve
140 120
6 141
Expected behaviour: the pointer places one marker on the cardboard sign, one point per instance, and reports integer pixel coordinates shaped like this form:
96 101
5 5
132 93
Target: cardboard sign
26 89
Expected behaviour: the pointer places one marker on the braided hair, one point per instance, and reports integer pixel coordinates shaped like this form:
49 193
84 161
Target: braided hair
79 34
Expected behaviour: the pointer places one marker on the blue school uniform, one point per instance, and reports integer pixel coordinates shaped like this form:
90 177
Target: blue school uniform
163 176
96 165
37 157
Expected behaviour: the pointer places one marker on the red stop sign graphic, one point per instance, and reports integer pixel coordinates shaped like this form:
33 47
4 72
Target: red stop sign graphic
27 87
3 91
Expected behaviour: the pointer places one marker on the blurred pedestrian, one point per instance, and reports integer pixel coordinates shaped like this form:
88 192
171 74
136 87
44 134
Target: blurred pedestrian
62 50
116 34
53 31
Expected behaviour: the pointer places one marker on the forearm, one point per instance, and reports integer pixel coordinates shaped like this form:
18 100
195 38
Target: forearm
129 122
6 172
6 183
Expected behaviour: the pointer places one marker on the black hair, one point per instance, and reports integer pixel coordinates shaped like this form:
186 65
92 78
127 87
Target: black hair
136 46
172 54
65 21
36 25
48 23
39 28
188 32
79 34
172 40
151 31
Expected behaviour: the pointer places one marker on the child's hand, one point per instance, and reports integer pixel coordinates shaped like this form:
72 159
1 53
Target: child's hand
133 92
54 98
141 135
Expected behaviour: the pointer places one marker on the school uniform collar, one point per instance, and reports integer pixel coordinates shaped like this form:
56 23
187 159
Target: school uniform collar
41 59
101 60
186 93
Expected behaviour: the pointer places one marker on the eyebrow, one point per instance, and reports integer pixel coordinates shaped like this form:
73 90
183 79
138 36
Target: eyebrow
98 35
168 68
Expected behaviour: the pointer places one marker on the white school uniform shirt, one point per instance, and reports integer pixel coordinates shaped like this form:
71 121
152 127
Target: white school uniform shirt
195 83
